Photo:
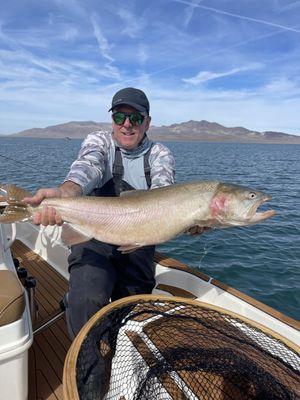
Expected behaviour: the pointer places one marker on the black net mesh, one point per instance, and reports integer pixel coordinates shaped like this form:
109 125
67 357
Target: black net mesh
174 350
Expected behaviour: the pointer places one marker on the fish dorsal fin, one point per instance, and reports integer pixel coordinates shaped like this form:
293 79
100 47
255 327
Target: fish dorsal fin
132 193
72 234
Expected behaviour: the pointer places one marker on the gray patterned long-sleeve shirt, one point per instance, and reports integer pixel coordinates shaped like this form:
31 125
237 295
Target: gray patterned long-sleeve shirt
93 167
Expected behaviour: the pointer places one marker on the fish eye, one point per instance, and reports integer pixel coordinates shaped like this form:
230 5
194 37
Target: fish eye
252 196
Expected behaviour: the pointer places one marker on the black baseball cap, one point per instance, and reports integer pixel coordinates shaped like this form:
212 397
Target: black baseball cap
135 98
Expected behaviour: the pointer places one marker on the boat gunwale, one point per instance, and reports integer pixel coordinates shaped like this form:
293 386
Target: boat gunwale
171 263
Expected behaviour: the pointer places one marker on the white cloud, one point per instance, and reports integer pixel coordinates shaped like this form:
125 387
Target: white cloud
204 76
142 54
102 41
72 7
69 33
104 47
290 6
283 86
255 111
133 23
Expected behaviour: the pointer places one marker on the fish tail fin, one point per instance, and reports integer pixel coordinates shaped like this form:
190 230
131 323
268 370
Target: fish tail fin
13 192
16 210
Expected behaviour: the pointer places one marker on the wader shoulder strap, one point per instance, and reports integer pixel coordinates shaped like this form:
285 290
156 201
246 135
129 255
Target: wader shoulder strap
118 172
118 169
147 167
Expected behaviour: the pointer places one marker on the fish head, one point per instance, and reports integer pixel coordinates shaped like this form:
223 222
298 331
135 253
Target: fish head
234 205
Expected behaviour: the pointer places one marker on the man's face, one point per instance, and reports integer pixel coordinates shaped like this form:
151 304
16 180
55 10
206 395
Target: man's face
128 135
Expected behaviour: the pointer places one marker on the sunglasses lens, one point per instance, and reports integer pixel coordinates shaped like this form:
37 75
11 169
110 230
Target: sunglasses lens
119 118
134 118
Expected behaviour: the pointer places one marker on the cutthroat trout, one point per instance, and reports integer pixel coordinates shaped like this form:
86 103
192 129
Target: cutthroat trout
141 218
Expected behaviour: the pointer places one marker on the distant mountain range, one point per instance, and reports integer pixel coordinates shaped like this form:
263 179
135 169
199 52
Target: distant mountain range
185 131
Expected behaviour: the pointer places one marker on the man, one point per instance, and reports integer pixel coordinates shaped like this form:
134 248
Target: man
107 164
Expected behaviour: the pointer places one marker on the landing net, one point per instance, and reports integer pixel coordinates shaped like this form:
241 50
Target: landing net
154 347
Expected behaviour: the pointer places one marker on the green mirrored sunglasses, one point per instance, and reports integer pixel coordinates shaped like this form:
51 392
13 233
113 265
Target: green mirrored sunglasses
135 118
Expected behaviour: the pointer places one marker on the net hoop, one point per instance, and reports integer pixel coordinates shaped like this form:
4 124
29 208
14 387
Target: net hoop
70 391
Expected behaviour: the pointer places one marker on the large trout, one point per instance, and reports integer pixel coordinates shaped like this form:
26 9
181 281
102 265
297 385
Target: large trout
141 218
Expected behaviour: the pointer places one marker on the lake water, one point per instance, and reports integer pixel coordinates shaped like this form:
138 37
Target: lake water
262 261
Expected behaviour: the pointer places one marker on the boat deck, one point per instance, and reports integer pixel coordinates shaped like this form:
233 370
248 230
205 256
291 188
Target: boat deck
47 355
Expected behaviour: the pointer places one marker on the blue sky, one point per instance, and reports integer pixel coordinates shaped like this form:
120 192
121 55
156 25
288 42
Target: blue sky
232 62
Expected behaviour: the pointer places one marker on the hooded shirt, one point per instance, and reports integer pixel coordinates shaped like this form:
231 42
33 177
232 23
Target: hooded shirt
94 164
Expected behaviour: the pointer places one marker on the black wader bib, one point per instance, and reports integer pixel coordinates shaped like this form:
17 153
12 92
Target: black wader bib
116 185
99 272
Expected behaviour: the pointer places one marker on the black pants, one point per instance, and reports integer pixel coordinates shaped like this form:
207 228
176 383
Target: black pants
99 272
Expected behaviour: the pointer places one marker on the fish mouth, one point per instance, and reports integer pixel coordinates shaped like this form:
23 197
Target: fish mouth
260 216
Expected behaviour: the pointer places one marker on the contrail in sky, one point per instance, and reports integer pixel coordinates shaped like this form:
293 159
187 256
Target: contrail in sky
222 50
239 44
260 21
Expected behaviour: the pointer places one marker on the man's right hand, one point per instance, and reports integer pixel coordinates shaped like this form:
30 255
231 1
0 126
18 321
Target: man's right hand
48 215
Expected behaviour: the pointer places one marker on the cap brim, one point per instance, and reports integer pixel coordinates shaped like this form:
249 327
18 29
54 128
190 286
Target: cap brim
138 107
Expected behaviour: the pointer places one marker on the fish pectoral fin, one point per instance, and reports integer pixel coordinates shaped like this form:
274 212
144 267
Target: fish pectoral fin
128 248
197 230
72 234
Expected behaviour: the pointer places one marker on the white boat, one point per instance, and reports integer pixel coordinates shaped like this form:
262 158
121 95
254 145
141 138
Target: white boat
33 350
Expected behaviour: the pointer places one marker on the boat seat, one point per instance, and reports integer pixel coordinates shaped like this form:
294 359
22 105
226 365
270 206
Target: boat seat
12 298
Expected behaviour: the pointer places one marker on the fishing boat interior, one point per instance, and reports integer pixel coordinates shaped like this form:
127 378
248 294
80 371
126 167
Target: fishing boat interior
172 344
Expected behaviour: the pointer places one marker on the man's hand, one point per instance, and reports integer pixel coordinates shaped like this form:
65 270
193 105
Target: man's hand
49 216
197 230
